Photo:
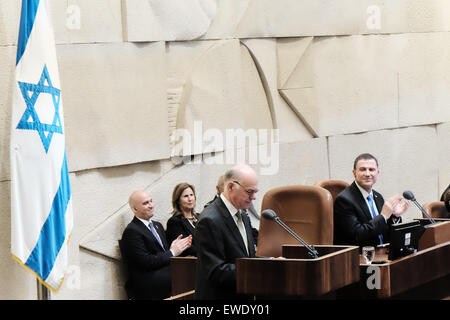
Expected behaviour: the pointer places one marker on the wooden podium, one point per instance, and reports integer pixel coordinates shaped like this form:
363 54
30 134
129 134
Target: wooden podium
435 234
298 275
183 271
424 275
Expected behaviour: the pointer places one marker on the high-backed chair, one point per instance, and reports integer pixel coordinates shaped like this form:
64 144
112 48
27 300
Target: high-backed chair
334 186
436 209
307 210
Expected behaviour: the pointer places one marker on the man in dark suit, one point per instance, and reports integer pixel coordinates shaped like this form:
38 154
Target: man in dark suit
361 216
251 208
146 251
224 234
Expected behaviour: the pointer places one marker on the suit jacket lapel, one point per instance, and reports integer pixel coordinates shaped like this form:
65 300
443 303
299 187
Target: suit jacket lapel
361 201
231 225
146 231
379 201
188 225
162 235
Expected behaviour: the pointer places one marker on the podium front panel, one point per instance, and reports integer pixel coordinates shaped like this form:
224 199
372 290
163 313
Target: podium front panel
297 275
408 273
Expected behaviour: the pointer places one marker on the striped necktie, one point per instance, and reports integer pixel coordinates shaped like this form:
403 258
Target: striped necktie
153 230
373 213
241 227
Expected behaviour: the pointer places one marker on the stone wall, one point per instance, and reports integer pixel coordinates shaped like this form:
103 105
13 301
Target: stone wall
311 84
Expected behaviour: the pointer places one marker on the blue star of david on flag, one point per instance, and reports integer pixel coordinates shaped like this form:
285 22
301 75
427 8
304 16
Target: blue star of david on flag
30 119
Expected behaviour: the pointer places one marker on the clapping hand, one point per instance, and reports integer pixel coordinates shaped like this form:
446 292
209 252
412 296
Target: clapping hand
395 205
180 244
401 207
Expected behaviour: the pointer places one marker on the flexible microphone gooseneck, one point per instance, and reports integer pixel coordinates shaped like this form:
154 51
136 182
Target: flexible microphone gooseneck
410 196
271 215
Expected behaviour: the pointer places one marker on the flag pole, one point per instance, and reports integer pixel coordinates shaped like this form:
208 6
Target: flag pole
42 291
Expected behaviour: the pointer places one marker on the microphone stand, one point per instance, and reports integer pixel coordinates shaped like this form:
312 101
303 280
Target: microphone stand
312 252
423 211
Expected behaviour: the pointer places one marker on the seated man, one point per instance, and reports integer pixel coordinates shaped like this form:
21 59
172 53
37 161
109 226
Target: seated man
361 216
146 251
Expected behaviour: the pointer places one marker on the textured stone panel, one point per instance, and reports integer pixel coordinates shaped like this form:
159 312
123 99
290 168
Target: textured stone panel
212 92
74 21
16 282
287 18
84 21
342 84
99 279
289 53
9 22
404 161
443 152
258 82
364 83
292 18
221 91
264 53
300 163
226 21
424 79
114 103
154 20
7 69
182 57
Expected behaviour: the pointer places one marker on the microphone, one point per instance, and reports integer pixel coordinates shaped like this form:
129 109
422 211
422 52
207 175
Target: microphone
410 196
271 215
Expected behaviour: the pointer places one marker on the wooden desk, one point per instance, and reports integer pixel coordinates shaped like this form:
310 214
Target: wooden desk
183 274
429 267
298 275
435 234
425 275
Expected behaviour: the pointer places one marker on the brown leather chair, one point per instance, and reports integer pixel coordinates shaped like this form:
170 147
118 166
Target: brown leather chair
436 209
307 210
334 186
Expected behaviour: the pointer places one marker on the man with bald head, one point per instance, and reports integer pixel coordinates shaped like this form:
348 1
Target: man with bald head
146 252
223 234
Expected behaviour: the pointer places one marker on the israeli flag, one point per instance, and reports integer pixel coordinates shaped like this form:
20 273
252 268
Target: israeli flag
41 206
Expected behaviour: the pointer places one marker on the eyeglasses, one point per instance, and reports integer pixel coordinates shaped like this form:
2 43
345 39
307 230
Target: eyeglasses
250 192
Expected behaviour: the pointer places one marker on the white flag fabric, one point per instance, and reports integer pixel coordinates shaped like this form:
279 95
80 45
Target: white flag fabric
41 206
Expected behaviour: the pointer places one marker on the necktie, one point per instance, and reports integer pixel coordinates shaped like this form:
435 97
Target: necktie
241 227
153 230
373 213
